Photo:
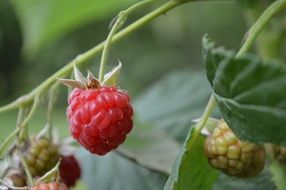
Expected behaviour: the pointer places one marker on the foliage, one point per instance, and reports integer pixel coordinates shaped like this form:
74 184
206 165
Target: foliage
249 93
191 169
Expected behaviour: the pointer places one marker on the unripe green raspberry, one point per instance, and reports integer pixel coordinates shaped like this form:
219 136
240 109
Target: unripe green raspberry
234 157
279 153
41 156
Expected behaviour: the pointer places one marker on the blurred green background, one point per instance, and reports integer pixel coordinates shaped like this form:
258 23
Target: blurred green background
162 70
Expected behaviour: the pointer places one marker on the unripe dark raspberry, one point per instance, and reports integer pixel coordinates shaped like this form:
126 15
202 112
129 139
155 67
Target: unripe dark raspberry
69 170
99 119
41 156
234 157
49 186
279 153
17 179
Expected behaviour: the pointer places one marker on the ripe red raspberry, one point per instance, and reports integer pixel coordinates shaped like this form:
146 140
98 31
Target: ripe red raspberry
99 119
49 186
69 170
234 157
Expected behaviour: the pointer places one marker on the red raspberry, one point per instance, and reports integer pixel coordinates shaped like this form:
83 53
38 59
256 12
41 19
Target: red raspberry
99 119
69 170
49 186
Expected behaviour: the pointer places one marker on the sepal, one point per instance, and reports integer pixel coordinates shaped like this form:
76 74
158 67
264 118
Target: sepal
110 78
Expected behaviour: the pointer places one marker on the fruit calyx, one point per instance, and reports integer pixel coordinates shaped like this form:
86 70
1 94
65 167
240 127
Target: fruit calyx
91 82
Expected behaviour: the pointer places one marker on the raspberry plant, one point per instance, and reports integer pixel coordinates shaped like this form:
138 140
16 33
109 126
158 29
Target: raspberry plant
248 89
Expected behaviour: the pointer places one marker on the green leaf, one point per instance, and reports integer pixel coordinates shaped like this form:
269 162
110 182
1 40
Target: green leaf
151 148
261 182
174 102
192 170
113 172
250 94
45 21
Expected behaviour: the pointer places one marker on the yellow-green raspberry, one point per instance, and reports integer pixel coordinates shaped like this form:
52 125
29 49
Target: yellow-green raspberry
41 156
279 153
234 157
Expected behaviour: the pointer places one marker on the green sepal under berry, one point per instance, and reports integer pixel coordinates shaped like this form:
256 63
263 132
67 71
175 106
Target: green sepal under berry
250 93
91 82
41 156
234 157
209 126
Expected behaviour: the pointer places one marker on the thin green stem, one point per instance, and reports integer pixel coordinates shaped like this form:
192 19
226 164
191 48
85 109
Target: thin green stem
24 125
26 168
20 117
263 20
52 100
203 120
8 140
50 173
120 20
83 58
105 53
31 112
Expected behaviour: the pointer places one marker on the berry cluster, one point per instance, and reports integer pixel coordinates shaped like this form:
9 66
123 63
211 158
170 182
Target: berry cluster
234 157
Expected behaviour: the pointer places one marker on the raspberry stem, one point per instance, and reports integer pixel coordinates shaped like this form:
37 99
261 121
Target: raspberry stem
26 168
120 20
258 26
22 122
209 108
52 100
83 58
8 139
54 172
